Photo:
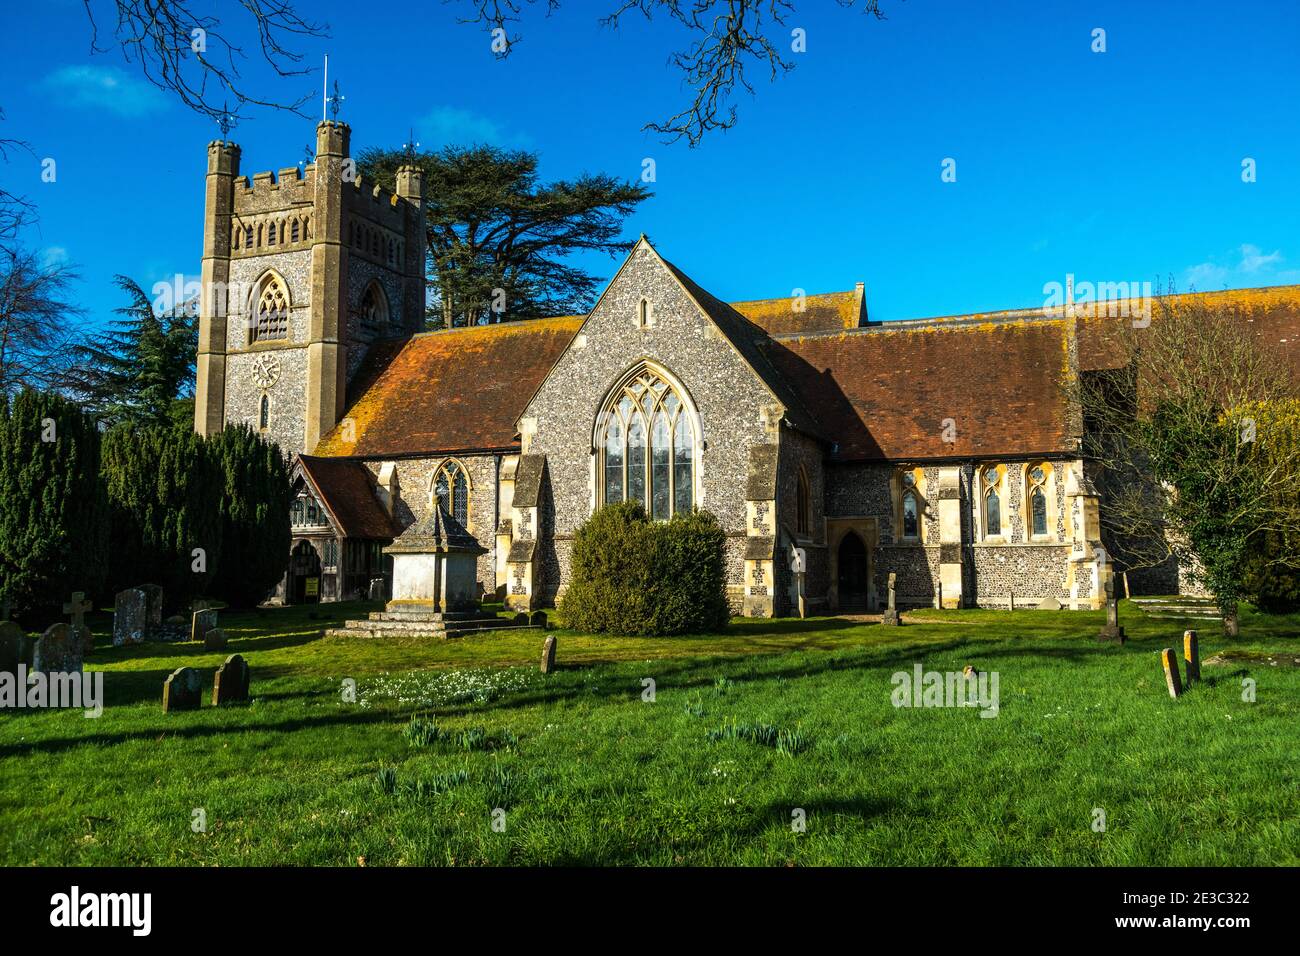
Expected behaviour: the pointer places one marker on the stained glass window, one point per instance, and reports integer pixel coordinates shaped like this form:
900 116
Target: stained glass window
647 447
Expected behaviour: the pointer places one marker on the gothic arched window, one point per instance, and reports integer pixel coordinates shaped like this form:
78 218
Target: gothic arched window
451 488
264 413
646 442
911 507
992 503
270 316
803 505
1036 480
374 309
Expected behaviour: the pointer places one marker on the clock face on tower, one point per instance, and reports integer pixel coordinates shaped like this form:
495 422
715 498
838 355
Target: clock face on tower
266 370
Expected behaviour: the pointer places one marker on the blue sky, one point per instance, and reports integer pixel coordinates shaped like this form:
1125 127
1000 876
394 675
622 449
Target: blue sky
1115 166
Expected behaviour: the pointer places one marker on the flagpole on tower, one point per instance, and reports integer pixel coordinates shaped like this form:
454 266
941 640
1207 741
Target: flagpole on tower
324 90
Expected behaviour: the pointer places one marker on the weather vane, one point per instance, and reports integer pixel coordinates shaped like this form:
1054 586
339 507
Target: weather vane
226 120
335 100
309 155
410 146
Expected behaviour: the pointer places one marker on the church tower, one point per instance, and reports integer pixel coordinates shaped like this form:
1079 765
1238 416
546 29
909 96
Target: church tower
302 273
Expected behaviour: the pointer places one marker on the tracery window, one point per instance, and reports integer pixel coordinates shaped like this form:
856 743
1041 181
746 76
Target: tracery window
270 318
451 488
647 447
992 503
911 507
1036 478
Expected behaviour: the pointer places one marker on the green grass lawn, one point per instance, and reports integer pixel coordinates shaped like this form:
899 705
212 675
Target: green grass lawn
587 772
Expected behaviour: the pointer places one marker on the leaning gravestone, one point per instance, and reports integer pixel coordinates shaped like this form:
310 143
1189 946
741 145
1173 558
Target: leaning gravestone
548 655
15 648
231 682
130 617
203 621
182 690
215 639
58 651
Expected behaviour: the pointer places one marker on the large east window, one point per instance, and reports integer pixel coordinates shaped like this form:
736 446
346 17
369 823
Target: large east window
647 447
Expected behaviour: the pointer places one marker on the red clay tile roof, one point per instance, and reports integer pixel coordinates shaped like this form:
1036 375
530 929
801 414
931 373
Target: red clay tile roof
883 393
827 312
347 490
458 390
1271 314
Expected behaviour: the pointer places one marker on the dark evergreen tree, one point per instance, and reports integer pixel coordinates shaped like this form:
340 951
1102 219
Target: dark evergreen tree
255 516
164 487
142 365
53 513
499 240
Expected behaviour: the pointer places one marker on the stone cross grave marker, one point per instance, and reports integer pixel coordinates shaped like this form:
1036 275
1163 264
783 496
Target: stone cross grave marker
182 690
1192 657
890 617
231 682
59 650
77 608
1170 661
130 617
15 648
203 621
1112 631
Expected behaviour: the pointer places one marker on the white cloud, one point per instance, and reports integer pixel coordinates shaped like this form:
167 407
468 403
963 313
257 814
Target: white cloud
1247 265
105 88
447 125
1252 260
54 256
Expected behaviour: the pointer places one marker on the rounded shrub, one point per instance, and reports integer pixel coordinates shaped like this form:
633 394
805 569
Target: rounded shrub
631 575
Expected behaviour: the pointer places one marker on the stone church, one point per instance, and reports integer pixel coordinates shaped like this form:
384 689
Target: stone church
943 451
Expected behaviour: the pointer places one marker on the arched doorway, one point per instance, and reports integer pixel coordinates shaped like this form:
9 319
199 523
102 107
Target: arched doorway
852 573
304 574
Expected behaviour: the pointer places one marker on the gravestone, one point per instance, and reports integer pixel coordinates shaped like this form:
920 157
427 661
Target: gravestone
1192 657
130 617
58 650
890 617
538 619
77 608
182 690
215 639
521 619
231 682
1049 604
548 655
376 592
203 621
1170 662
1112 631
15 648
153 617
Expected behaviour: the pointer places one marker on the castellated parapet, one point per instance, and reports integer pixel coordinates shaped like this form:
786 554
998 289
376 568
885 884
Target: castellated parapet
302 271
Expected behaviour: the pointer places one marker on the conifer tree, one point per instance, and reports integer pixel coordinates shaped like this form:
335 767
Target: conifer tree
53 512
164 486
141 366
254 513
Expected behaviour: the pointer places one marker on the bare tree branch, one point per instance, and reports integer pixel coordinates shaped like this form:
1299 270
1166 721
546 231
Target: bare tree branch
724 37
203 67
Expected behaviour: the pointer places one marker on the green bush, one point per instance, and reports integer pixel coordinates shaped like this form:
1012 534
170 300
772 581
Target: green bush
631 575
